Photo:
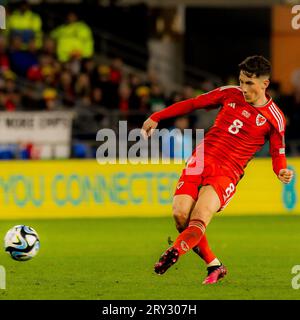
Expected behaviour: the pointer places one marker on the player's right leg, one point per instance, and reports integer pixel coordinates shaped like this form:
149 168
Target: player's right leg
182 207
183 204
207 204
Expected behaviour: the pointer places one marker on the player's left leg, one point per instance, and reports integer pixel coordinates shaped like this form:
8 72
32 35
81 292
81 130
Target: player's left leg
203 250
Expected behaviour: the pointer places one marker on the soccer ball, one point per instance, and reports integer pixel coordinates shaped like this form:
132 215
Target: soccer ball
21 242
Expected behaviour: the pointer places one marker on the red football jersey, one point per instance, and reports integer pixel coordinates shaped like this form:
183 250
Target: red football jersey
240 129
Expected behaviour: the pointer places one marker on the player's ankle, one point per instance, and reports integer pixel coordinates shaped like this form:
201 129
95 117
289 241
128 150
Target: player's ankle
215 262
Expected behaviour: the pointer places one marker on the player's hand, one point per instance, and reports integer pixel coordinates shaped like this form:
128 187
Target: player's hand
148 128
285 175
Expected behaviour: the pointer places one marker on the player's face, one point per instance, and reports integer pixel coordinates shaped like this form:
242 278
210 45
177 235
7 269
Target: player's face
253 88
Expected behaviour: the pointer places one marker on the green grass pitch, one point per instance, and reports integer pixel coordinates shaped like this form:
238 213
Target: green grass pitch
114 258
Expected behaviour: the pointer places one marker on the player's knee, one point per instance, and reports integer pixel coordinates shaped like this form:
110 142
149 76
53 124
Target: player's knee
181 217
203 213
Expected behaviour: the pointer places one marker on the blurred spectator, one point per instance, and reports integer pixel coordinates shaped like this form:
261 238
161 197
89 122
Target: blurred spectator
83 85
34 73
174 97
9 81
188 92
74 38
157 99
143 92
116 71
124 95
13 102
88 66
31 99
102 80
87 119
49 47
4 58
25 24
115 78
45 70
152 78
10 95
66 87
50 101
22 60
207 86
97 96
73 65
134 81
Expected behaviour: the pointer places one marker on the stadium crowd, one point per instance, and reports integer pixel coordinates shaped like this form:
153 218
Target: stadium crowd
60 71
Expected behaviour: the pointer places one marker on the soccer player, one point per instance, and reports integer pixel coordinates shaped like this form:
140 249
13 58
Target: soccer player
248 117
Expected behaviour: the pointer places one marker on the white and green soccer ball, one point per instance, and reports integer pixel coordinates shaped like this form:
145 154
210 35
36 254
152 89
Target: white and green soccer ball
22 243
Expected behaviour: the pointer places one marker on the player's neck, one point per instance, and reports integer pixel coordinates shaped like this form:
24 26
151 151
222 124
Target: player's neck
261 102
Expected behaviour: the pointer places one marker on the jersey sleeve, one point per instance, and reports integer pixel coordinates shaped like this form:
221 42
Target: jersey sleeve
214 97
277 150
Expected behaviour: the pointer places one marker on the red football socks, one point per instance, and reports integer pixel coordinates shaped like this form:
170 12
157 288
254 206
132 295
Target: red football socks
204 251
190 237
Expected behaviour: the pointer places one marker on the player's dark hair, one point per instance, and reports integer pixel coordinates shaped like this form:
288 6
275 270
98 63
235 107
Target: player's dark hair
256 66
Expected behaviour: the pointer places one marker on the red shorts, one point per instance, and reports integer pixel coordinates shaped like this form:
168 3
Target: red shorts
218 176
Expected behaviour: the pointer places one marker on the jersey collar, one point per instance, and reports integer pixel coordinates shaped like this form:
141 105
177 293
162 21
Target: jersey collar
267 104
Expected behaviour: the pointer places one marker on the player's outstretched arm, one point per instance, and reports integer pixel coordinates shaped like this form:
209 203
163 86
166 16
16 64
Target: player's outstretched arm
214 97
285 175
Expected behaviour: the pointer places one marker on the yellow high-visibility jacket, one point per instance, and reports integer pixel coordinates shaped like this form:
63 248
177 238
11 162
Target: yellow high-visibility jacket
27 25
73 38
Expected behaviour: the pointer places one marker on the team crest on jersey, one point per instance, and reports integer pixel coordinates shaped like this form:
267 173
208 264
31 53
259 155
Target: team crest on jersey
260 120
180 184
